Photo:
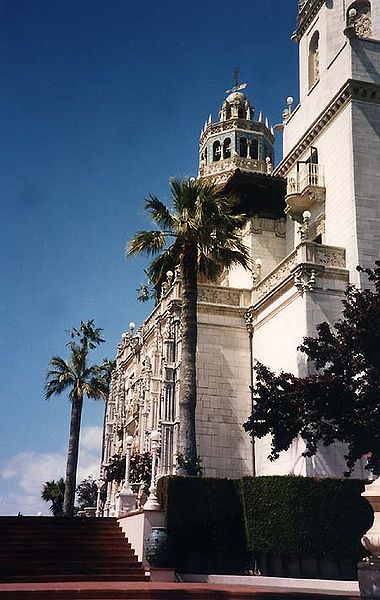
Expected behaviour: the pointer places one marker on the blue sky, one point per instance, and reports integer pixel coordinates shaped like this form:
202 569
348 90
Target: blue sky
101 103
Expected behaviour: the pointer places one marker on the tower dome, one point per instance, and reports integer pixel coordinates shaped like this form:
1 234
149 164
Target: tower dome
236 140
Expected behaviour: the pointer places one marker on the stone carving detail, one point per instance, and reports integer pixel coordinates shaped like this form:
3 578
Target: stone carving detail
363 25
330 257
304 279
233 163
279 274
309 253
260 224
224 296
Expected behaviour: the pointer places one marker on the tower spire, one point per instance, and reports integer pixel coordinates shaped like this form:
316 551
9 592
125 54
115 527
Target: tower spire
235 80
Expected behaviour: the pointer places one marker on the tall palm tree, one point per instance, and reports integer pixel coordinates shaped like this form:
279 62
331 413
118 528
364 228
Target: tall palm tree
199 233
53 492
80 379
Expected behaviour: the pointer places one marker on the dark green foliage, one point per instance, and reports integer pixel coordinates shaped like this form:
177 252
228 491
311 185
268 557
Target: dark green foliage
140 468
302 515
53 492
340 402
87 493
220 525
205 524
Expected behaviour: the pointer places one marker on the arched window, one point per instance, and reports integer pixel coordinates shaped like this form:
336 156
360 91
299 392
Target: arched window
255 148
227 148
243 147
228 112
314 59
359 17
206 156
216 151
241 112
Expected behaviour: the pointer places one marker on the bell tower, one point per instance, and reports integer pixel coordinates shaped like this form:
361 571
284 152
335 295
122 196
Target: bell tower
236 141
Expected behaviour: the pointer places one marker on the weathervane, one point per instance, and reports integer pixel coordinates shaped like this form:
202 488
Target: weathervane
237 86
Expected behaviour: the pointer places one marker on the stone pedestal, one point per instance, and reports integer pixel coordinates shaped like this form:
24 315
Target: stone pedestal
369 578
126 502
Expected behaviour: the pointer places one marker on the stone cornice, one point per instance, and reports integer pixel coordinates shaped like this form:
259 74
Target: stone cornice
307 14
352 90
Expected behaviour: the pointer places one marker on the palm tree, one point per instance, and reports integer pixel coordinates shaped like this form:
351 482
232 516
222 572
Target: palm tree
199 233
81 380
53 492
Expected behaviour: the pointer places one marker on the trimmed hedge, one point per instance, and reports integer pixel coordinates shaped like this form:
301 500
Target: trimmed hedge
222 526
205 524
303 515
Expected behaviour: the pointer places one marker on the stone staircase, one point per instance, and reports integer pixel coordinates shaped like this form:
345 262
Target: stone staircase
50 549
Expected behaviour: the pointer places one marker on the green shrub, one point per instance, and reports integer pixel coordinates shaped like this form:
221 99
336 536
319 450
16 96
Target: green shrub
220 525
205 524
303 515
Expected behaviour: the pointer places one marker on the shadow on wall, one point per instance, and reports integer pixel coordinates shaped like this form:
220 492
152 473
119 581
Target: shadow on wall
224 446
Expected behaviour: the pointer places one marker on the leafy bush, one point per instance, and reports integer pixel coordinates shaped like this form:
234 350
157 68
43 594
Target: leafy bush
303 515
220 525
205 524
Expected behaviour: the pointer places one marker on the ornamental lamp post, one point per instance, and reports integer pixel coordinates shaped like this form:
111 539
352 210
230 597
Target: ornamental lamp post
152 502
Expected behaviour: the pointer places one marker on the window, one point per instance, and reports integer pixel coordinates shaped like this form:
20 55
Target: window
243 147
228 112
314 59
216 151
241 112
254 148
227 148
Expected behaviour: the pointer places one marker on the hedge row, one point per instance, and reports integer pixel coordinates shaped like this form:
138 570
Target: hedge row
205 524
303 515
221 525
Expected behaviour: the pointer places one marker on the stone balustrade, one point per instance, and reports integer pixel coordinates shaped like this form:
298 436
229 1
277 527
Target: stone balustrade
307 254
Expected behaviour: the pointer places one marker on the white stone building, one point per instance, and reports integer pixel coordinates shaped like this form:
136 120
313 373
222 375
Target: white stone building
310 222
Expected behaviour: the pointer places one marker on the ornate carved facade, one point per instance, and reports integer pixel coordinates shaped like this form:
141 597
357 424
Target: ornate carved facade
308 225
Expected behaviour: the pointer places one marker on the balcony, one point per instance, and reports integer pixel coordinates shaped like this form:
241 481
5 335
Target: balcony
305 189
305 268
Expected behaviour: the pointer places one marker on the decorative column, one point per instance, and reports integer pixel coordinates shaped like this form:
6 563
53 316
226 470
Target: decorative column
369 567
249 320
152 502
126 497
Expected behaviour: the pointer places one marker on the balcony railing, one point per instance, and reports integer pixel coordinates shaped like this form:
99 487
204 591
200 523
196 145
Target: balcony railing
305 188
308 174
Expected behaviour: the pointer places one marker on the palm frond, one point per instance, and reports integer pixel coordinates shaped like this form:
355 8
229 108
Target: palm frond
59 377
159 213
167 261
146 242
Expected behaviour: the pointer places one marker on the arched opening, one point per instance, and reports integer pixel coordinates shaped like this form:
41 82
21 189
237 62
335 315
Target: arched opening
314 59
254 148
359 17
216 151
227 148
228 112
206 156
241 112
243 147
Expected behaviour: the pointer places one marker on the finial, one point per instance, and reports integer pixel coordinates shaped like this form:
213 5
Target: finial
260 117
235 80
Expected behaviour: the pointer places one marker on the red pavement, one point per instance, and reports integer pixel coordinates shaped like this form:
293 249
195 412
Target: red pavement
145 591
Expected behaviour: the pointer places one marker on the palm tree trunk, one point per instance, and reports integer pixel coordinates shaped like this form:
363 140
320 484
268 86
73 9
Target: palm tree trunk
72 457
188 378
